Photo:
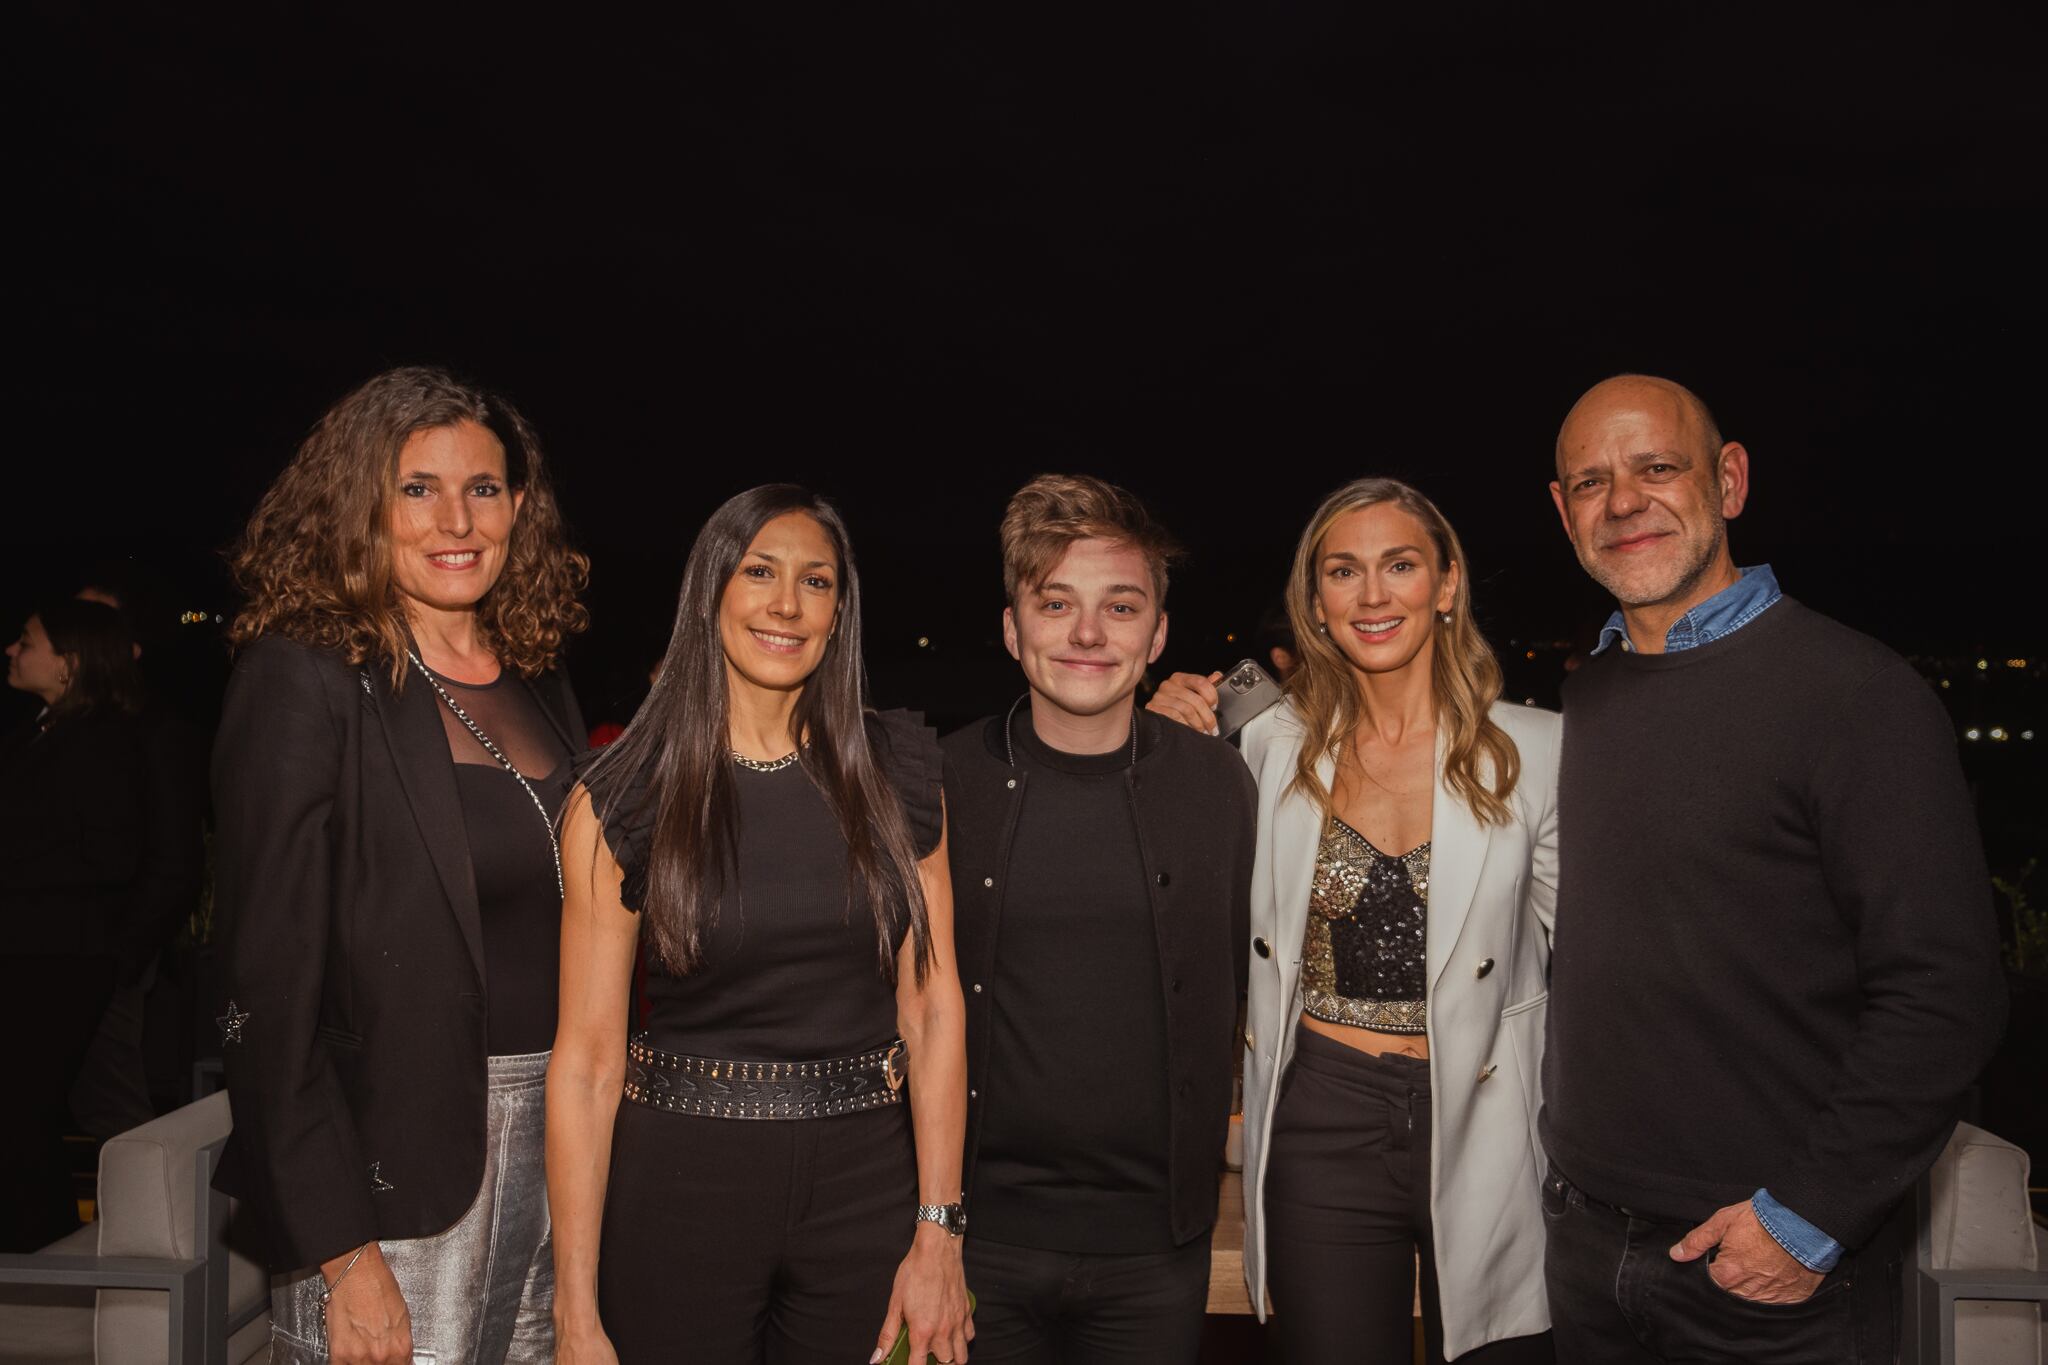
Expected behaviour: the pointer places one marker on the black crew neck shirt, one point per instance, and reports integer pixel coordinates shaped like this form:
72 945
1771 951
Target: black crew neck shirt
1076 1127
790 969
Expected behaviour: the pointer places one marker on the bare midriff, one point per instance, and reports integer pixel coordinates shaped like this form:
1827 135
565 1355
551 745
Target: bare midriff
1370 1040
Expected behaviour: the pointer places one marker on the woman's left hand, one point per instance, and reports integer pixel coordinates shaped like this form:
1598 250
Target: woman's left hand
931 1298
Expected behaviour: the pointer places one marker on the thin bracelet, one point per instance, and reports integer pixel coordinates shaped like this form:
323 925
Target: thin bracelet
327 1290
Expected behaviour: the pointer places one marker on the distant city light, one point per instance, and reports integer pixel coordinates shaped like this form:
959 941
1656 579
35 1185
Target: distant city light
191 618
2015 663
1944 684
1973 733
1530 654
2026 734
1528 701
1230 638
1983 663
1998 732
924 642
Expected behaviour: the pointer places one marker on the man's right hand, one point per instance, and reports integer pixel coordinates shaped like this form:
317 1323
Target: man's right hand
367 1322
1188 698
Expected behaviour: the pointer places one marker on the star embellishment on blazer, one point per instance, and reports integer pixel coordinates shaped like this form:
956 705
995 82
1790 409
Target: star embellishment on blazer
231 1024
378 1184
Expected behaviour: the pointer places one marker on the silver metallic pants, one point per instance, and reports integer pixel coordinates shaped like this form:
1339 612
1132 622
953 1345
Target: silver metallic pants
483 1291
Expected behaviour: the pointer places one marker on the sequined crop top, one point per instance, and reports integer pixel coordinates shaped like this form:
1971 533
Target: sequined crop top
1362 959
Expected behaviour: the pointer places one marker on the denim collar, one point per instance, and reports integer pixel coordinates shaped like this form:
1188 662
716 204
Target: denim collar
1726 612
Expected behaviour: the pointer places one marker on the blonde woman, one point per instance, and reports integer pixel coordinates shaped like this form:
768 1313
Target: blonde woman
1401 911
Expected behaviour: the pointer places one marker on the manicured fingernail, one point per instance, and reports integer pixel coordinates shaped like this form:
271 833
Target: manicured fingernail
876 1358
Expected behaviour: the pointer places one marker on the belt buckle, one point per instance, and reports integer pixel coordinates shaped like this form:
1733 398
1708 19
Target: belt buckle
894 1062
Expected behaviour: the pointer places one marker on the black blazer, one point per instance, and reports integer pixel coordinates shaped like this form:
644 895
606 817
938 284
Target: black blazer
1195 806
354 1021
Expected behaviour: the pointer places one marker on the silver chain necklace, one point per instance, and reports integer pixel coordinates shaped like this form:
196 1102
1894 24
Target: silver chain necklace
493 750
766 765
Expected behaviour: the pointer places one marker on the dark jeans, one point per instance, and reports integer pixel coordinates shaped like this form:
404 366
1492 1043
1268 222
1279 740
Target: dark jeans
1617 1297
1347 1212
1079 1308
735 1240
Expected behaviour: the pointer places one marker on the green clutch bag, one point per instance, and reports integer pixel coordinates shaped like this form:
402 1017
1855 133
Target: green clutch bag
901 1354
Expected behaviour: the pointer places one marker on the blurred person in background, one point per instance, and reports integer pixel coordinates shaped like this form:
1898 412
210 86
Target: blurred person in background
397 740
1273 646
72 822
111 1093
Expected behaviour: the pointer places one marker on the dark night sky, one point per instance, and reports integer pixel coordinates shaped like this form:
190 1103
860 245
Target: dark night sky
1232 258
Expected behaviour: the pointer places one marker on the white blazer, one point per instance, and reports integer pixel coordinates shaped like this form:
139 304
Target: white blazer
1492 898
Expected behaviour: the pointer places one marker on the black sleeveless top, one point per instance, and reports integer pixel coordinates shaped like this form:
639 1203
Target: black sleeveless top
789 969
517 894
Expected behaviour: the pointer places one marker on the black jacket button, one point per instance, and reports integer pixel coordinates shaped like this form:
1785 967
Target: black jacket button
1262 948
1163 879
1485 966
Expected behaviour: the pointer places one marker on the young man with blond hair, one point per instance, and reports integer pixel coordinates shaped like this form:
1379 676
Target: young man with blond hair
1102 865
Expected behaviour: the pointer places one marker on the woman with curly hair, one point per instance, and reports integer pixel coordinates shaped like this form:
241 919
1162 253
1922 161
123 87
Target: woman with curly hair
397 742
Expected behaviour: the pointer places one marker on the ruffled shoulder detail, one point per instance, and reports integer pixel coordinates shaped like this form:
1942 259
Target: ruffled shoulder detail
625 804
907 750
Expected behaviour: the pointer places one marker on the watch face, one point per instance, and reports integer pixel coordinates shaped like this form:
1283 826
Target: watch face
956 1220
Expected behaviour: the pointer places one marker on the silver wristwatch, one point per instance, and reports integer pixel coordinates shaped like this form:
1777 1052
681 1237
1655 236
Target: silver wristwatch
951 1217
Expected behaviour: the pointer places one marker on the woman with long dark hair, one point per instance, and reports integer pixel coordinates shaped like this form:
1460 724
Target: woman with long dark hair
1401 922
761 1193
397 741
71 838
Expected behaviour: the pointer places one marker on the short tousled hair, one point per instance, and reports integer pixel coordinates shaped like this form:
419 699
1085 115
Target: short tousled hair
1047 515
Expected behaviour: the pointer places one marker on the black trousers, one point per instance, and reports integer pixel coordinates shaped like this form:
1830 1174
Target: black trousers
1617 1297
742 1241
1087 1308
1347 1213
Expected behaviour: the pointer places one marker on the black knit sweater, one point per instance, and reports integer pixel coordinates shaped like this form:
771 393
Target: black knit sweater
1776 958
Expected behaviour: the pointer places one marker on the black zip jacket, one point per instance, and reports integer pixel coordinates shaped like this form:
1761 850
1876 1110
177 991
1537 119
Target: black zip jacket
1195 807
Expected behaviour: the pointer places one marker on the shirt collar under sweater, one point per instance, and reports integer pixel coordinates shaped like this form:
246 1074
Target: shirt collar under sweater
1726 612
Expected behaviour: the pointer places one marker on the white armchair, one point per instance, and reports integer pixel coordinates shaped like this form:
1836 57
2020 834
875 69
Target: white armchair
151 1281
1975 1287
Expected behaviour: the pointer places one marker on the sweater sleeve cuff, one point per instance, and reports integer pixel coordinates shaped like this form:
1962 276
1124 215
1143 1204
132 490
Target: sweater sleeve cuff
1802 1241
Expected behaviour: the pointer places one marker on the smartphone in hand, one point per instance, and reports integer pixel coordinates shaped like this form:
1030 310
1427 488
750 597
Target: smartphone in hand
1245 691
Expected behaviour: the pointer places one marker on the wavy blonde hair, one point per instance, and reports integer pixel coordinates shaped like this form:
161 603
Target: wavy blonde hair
1481 764
314 564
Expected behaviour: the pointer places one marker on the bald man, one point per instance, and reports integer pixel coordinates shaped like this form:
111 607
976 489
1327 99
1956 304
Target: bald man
1776 966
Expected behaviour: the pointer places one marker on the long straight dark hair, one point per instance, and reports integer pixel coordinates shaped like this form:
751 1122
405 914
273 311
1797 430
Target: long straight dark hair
679 740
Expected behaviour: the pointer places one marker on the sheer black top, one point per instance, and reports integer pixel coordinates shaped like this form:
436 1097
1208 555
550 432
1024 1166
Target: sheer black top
517 895
789 969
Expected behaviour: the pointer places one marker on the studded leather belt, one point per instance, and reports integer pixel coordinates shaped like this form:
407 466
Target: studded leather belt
712 1088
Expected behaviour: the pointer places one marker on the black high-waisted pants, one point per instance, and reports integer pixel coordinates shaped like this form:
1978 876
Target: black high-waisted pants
1347 1213
742 1241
